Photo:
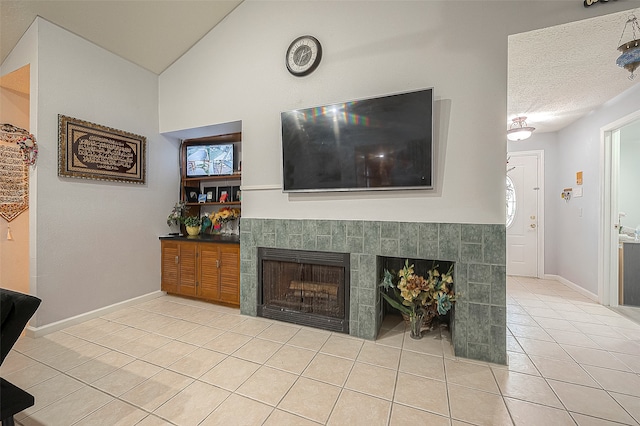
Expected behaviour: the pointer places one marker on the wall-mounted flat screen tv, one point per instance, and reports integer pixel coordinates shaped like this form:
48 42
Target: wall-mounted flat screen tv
380 143
209 160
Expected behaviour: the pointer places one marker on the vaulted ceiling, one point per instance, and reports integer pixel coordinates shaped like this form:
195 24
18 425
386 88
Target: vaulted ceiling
152 34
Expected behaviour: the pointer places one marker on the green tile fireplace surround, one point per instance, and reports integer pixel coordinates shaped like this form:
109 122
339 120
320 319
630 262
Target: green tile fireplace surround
479 317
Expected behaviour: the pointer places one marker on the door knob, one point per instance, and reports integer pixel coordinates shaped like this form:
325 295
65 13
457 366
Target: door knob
533 225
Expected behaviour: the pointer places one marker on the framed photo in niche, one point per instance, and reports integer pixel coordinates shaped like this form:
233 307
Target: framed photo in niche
212 194
224 194
192 193
235 193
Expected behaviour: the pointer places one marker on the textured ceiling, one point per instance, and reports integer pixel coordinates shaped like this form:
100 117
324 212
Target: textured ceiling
556 75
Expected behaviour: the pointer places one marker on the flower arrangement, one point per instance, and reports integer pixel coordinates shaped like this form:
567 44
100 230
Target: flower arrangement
223 217
225 214
417 296
175 217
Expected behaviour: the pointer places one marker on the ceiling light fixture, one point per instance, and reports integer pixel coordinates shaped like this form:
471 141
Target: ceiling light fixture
630 58
518 130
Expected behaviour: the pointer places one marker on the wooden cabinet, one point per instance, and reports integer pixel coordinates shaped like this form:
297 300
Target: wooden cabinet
630 272
206 270
230 273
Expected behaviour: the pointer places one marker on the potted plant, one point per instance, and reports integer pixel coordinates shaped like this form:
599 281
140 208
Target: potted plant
418 298
192 223
175 217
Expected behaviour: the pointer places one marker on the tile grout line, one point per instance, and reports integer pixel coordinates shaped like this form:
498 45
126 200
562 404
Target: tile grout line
342 388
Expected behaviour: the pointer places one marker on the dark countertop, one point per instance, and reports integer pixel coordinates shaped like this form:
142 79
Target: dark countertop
204 238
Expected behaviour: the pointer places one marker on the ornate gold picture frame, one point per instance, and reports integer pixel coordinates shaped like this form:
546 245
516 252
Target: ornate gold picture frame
92 151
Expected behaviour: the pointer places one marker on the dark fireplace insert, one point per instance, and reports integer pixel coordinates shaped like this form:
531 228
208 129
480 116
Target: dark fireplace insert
304 287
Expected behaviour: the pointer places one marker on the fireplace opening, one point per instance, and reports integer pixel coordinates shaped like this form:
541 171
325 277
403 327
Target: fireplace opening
421 268
304 287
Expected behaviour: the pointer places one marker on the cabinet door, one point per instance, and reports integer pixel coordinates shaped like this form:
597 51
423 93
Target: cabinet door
209 285
169 269
188 270
230 273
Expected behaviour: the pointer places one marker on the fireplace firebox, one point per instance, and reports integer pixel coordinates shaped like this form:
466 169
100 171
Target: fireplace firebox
304 287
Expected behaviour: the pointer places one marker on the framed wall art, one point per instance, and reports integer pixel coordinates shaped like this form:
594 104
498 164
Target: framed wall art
92 151
211 192
236 195
224 194
192 193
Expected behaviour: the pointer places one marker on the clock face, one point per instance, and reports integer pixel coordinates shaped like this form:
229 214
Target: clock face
303 55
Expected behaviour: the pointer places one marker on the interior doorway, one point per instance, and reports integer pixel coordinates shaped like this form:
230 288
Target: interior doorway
525 214
619 211
15 102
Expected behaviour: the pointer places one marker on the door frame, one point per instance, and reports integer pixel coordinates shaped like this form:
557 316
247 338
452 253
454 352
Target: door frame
540 201
608 235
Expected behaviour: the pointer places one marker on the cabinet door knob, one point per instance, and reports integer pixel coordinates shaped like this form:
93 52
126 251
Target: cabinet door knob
177 260
217 263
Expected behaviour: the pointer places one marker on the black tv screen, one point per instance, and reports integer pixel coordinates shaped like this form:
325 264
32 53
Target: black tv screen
378 143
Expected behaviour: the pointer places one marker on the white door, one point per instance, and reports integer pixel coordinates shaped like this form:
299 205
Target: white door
522 214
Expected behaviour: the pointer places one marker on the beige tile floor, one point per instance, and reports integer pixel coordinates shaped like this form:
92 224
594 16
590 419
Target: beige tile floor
174 361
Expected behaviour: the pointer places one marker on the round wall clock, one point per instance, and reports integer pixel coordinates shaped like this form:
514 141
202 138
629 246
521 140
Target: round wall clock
303 55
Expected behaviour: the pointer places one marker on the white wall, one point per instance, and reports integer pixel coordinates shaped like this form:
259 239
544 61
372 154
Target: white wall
96 242
579 150
237 72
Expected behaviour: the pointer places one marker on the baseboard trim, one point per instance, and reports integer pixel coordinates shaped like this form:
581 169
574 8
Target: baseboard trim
573 286
59 325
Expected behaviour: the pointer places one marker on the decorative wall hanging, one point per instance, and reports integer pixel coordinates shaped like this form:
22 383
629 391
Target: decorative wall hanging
17 153
630 58
25 141
14 182
91 151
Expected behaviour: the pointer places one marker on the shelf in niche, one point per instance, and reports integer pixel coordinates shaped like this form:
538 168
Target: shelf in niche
211 178
229 203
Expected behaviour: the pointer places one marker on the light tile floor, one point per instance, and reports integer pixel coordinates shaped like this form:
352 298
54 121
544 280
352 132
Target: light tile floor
184 362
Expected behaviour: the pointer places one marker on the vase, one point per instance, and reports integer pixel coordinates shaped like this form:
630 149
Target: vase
415 325
193 230
227 228
174 229
206 223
